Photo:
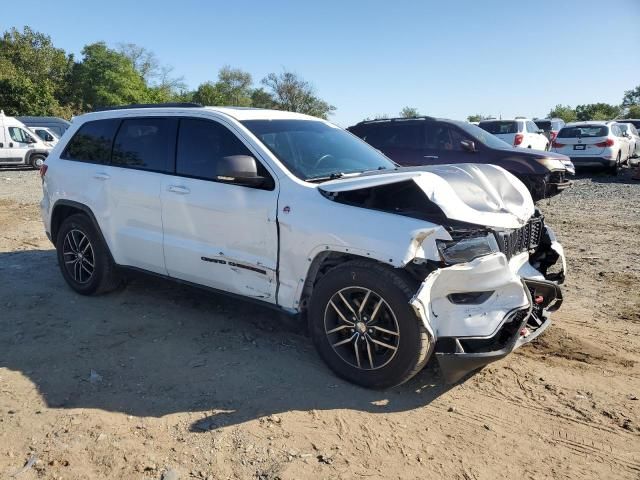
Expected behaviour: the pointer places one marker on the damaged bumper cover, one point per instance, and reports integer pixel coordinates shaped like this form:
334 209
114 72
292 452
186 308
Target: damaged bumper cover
478 312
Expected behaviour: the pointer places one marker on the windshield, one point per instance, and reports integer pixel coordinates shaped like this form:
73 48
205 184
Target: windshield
483 136
312 149
584 131
499 127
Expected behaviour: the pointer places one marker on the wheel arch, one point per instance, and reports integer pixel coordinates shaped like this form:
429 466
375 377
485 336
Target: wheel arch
63 209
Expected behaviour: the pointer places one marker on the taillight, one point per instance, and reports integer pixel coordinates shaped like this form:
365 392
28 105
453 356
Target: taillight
607 143
518 139
557 145
43 170
553 135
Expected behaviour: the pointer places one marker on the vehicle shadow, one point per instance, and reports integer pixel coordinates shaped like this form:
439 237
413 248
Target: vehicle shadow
18 168
601 176
156 348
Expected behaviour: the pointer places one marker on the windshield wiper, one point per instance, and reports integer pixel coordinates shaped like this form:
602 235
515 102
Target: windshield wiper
324 178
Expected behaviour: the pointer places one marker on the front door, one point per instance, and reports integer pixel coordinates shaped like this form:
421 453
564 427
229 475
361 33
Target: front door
19 143
218 234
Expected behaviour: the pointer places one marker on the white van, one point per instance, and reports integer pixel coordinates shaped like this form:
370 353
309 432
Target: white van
19 145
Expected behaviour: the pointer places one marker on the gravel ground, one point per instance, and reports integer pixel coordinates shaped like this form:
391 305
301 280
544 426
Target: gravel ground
159 378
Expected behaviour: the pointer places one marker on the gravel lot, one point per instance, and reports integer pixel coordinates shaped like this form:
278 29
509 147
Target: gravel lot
159 378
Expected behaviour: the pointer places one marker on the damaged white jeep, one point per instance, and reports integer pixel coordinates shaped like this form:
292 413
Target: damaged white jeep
389 265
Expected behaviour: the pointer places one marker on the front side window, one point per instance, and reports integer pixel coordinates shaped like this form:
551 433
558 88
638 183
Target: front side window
443 137
144 143
44 135
92 142
482 136
202 143
313 150
19 135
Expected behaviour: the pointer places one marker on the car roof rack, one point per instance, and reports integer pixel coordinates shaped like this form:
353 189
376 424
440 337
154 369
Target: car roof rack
398 119
150 105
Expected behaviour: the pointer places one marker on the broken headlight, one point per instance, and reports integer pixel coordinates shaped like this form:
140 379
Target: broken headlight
467 248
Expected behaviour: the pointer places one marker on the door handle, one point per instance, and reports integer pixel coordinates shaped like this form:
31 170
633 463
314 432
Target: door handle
102 176
178 189
10 145
431 156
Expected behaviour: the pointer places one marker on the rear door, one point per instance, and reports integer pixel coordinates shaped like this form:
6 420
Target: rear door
401 141
142 155
217 233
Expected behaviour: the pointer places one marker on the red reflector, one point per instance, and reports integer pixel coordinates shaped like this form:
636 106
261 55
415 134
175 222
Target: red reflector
518 139
557 145
43 170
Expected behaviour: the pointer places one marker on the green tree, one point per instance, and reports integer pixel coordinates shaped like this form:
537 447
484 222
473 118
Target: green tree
409 112
633 112
34 75
292 93
234 86
477 117
597 111
207 94
565 112
106 77
631 97
260 98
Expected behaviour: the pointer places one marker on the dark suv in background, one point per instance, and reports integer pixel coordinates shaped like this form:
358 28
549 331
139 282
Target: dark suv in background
550 127
429 141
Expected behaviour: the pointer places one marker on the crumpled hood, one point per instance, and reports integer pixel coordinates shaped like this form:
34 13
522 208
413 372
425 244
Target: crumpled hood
480 194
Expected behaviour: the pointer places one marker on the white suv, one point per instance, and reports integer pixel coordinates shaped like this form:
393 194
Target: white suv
593 144
519 132
387 264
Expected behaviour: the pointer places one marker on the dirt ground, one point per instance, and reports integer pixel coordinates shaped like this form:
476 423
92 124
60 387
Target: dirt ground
163 380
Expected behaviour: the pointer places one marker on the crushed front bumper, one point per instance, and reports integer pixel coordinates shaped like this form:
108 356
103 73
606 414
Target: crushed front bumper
479 312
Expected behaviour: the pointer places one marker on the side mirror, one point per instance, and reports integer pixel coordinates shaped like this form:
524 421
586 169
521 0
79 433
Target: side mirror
468 145
240 169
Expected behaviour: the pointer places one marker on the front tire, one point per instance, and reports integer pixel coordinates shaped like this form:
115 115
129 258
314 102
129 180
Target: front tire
36 161
84 258
362 324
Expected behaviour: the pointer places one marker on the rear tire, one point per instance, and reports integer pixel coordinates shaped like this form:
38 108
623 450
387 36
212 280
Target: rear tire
614 170
83 257
36 161
362 324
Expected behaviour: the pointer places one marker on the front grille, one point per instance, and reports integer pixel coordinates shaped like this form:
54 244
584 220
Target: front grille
513 242
557 177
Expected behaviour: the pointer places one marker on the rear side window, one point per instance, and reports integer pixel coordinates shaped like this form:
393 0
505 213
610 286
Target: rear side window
408 134
500 128
584 131
144 143
92 142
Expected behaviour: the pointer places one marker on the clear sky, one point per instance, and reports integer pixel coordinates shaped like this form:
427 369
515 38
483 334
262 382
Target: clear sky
446 58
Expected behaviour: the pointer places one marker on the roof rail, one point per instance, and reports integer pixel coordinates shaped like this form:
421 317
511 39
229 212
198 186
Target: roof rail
150 105
397 119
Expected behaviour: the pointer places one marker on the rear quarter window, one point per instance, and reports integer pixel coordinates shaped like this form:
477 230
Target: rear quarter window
92 142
